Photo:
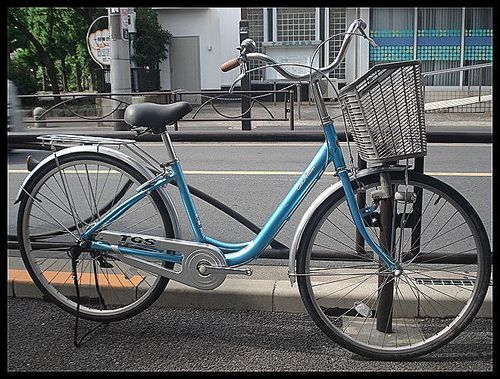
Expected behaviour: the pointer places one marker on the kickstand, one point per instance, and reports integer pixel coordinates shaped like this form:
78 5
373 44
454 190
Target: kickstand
75 252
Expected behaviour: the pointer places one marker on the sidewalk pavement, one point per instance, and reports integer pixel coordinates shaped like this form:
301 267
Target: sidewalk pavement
268 289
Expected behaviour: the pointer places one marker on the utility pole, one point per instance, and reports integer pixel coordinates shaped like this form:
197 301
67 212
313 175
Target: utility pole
245 81
131 34
120 60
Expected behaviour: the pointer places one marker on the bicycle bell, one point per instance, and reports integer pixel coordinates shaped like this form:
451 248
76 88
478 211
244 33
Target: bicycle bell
248 46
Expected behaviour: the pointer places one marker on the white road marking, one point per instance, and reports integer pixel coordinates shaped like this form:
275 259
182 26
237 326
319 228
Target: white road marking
244 172
295 144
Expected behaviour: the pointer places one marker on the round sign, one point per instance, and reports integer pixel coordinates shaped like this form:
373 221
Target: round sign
98 42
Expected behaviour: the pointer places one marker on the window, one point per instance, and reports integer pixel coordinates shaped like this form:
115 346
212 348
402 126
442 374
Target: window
439 43
256 32
438 40
337 24
392 29
296 24
478 44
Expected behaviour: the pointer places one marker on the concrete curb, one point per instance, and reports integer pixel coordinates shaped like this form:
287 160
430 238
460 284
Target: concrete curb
238 294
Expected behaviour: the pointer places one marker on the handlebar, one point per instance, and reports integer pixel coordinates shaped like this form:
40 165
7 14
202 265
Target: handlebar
355 25
230 64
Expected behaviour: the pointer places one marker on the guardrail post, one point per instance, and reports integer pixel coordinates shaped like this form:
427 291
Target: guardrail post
416 214
385 280
292 119
480 81
274 93
361 200
246 124
176 125
299 98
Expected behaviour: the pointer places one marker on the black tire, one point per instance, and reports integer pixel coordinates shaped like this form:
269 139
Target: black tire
140 297
349 318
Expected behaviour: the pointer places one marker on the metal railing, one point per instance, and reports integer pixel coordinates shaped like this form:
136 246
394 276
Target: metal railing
117 102
480 67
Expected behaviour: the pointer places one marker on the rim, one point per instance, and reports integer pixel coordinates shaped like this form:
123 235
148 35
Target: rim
446 331
98 198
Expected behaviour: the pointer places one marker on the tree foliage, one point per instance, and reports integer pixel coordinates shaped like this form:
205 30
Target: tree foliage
47 46
51 41
151 41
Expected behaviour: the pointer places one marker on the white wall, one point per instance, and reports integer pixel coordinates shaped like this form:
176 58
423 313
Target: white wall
357 57
229 19
218 29
211 25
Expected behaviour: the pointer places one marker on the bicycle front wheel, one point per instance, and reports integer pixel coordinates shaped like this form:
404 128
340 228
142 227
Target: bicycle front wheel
443 251
59 202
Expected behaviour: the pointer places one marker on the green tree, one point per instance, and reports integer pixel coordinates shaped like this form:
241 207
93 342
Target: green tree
151 41
28 22
22 74
56 37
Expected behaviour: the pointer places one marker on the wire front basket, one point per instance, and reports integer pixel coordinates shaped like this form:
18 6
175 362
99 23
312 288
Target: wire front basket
384 110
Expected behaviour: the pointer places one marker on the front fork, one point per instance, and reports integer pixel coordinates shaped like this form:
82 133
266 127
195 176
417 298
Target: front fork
382 252
338 160
336 156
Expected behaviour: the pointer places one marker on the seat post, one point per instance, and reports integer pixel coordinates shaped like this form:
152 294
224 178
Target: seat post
169 147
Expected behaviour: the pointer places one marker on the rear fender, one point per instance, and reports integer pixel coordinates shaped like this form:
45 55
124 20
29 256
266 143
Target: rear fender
148 174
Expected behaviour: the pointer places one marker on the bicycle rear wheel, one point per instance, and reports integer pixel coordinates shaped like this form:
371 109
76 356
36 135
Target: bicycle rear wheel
445 260
57 205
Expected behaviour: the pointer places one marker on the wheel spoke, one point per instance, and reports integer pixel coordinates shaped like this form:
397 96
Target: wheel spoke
419 310
109 288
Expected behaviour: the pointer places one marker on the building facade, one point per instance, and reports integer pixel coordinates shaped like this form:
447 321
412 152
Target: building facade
204 38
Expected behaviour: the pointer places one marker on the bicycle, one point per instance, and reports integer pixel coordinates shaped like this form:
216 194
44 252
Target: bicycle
390 263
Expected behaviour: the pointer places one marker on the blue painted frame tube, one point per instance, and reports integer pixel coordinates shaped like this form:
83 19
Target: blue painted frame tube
188 202
284 210
227 246
192 213
240 253
123 207
338 160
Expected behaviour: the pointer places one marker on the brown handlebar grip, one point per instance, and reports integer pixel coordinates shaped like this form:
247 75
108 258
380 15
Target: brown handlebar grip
230 64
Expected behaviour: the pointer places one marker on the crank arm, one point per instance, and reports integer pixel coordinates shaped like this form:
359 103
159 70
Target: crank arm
226 270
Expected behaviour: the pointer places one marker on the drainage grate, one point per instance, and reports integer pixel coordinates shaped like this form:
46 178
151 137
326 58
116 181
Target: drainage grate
446 282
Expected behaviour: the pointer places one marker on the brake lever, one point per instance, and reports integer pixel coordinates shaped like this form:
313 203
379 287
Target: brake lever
238 78
369 39
372 42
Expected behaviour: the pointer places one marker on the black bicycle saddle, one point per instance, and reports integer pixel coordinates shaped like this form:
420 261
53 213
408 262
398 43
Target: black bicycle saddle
156 116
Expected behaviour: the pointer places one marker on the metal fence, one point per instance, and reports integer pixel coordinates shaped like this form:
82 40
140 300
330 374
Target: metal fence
476 98
107 109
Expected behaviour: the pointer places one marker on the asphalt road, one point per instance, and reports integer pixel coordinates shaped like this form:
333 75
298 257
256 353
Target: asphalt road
252 178
40 338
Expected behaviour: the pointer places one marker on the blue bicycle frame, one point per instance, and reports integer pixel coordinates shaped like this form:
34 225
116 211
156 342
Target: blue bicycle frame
240 253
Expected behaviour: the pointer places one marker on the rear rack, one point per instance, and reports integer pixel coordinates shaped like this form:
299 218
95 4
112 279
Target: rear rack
65 139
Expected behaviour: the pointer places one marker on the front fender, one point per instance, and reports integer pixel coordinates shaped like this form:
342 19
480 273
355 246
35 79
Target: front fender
115 154
316 203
